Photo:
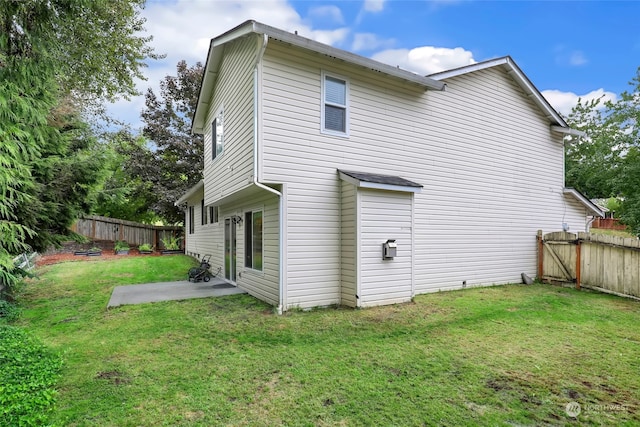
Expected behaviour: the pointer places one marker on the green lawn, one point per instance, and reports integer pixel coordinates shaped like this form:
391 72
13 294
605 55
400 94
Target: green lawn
508 355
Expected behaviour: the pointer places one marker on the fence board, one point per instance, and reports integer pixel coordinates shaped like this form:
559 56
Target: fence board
103 228
606 263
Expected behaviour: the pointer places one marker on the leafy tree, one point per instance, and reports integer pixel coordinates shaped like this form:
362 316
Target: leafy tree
592 164
607 162
54 50
124 193
177 163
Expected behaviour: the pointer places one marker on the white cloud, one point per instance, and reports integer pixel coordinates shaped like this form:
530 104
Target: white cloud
330 37
374 5
370 41
331 13
577 58
563 102
568 57
426 59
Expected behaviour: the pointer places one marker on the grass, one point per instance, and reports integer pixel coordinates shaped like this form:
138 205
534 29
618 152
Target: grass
607 232
508 355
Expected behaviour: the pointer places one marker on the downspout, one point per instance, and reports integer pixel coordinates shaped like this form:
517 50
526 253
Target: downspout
256 182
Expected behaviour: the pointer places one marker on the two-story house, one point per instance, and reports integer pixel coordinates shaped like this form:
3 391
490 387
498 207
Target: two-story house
330 178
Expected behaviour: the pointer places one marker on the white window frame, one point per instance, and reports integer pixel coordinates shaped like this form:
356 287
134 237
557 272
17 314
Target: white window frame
214 214
323 102
219 121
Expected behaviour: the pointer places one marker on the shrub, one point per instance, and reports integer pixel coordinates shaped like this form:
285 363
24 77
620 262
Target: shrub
9 312
121 245
145 247
28 373
171 242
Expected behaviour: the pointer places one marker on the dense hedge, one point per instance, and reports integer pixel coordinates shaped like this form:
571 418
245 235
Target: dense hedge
28 373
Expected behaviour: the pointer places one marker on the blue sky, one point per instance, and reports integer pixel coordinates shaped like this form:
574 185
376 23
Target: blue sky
569 49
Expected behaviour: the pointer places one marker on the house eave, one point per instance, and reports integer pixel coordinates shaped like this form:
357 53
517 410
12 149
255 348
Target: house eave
359 183
591 207
216 48
568 131
190 192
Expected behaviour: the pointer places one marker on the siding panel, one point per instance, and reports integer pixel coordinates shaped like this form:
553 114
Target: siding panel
492 171
232 170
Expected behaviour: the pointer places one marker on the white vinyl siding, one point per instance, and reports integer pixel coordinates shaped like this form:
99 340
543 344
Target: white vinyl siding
261 284
348 246
385 215
205 237
232 168
492 171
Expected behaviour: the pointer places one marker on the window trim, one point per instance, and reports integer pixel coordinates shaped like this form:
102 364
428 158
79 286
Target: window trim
249 255
324 103
191 219
214 214
214 134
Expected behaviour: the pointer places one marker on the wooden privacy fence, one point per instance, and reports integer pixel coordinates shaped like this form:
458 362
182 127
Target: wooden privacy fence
103 228
605 263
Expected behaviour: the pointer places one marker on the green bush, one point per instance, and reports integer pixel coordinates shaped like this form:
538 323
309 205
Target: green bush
28 373
9 312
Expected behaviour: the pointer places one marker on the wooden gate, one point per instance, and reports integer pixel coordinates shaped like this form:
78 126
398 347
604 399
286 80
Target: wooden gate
605 263
558 257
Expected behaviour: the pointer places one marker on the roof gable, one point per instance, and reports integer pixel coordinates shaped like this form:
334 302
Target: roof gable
216 50
507 63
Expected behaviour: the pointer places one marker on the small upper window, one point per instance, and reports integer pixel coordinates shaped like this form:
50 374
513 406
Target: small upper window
217 135
334 108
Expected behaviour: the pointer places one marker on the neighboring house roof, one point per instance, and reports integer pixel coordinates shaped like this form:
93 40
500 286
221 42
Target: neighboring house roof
190 192
593 208
380 182
523 81
601 203
216 48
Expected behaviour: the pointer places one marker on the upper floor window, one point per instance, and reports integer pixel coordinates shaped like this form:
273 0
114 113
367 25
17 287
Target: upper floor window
217 135
335 114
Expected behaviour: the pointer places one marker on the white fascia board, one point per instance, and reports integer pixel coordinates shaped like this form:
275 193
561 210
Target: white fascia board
377 186
568 131
518 76
586 202
352 58
190 192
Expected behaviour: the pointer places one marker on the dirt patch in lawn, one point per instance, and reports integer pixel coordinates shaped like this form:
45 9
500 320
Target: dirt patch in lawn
67 257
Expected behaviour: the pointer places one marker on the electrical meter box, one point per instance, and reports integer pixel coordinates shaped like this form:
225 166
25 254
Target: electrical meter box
389 249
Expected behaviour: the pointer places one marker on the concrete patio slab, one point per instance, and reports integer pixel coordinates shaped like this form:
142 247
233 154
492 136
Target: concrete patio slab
170 291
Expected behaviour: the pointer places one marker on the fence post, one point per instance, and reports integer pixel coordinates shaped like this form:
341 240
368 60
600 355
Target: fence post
540 255
578 262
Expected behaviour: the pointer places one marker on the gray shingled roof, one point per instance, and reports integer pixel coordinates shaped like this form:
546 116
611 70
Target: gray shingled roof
381 179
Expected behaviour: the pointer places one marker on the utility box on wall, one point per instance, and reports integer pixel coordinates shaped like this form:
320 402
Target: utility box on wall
389 249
